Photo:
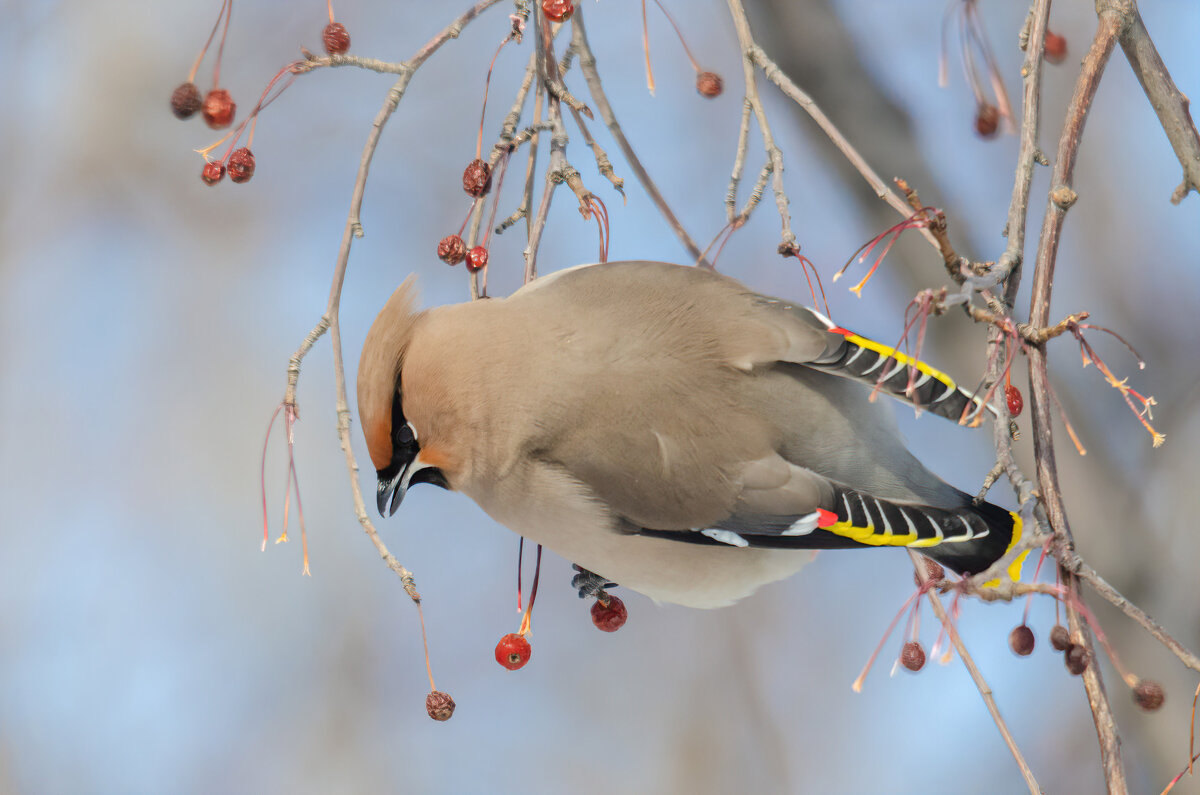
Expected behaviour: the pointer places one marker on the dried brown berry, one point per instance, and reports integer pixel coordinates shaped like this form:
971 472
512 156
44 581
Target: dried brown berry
241 165
558 10
709 84
439 705
1060 638
987 120
452 250
477 259
1021 640
218 109
610 617
213 172
477 178
1056 48
335 38
185 100
1077 659
1148 695
912 656
933 570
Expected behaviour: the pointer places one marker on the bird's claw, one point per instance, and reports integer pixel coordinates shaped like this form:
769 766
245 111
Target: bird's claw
588 583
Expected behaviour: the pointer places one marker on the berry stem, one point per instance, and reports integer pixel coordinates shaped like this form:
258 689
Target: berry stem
204 49
262 474
425 645
227 8
329 4
646 49
678 33
537 573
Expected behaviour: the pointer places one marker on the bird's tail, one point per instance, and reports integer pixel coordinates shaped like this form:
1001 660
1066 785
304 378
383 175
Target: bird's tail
968 538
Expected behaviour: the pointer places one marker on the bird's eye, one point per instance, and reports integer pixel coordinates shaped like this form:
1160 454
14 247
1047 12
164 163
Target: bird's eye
407 434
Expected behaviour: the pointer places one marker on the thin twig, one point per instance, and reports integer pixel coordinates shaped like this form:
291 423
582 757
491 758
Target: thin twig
587 62
1061 197
329 321
985 690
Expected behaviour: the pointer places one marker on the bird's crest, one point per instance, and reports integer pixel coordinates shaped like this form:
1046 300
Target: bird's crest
379 369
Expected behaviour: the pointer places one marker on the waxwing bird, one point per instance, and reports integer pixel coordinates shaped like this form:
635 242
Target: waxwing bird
666 428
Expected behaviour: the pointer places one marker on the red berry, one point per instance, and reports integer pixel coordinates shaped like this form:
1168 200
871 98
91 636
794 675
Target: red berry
1148 695
335 38
513 651
241 165
558 10
452 250
1012 396
1077 659
709 84
477 178
218 109
477 258
213 172
185 100
912 656
439 705
1021 640
987 120
1060 638
1056 48
610 617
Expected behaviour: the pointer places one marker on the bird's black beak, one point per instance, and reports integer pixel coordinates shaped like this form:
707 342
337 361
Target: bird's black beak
394 483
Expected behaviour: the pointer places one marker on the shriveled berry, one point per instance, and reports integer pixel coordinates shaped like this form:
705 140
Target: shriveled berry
185 100
1021 640
452 250
1077 659
609 618
912 656
558 10
709 84
477 258
512 651
335 38
241 165
218 109
987 120
439 705
213 172
1148 695
1012 396
477 178
1056 48
933 570
1060 638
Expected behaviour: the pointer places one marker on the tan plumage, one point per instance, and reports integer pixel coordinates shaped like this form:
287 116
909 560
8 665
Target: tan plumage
612 411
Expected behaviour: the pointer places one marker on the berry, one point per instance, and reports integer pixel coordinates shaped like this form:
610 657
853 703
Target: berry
185 100
218 109
1060 638
912 656
1021 641
987 120
477 259
213 172
452 250
709 84
1077 659
1148 695
1012 396
335 38
610 617
1056 48
241 165
439 705
512 651
933 570
558 10
477 178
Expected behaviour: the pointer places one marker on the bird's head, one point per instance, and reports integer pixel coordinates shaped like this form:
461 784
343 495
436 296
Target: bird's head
393 440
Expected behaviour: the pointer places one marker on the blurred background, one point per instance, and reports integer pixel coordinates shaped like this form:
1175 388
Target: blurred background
147 645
